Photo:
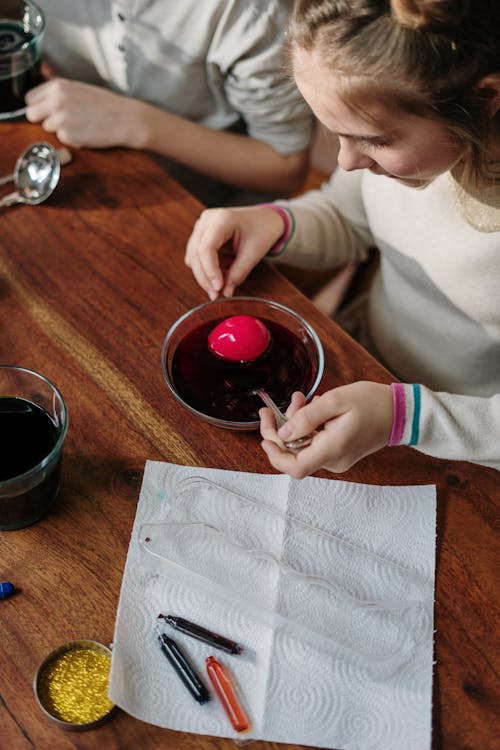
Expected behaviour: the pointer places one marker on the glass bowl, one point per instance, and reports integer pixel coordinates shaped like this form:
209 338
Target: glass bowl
222 392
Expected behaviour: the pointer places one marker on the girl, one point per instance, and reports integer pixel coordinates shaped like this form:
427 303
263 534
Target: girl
412 90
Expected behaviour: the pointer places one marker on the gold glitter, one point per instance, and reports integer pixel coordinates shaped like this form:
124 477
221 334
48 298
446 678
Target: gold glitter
479 208
73 687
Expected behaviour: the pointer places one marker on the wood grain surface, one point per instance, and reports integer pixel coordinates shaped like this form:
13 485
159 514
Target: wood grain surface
90 282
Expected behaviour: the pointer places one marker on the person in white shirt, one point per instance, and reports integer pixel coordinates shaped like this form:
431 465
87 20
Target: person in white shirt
412 89
202 85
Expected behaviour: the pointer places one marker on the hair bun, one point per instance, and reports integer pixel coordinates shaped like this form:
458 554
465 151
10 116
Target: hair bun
432 14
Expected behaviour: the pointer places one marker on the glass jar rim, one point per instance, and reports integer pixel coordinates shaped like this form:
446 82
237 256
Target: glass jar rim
36 37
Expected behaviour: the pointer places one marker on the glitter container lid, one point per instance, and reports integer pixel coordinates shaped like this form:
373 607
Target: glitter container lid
71 685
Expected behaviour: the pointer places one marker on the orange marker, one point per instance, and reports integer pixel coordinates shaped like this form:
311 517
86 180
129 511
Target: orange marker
223 686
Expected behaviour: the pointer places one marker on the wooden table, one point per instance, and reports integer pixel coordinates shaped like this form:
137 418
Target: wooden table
89 284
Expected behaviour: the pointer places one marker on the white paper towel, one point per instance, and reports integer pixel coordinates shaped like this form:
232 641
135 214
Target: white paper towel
362 679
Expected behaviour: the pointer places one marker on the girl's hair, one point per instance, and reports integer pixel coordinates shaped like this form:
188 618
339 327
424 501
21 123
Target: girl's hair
425 57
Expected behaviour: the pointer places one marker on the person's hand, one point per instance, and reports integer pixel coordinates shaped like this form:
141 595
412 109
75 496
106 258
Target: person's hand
81 115
352 421
248 232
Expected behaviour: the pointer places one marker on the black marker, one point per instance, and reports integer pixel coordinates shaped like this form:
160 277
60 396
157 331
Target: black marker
202 634
184 669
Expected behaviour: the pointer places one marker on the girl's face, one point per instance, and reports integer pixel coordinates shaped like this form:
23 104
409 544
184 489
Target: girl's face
405 147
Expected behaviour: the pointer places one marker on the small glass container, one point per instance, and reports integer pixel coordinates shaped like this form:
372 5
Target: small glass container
71 685
33 427
22 27
224 393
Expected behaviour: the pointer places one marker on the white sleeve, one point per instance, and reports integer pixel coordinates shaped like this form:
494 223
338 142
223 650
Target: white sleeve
248 49
330 224
447 425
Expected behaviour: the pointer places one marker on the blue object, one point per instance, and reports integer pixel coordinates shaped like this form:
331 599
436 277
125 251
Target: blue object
6 589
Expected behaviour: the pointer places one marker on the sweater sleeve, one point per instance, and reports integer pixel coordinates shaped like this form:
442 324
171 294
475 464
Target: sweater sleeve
446 425
330 225
246 49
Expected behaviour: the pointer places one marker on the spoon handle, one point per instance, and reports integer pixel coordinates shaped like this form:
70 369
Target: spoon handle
11 199
278 415
293 445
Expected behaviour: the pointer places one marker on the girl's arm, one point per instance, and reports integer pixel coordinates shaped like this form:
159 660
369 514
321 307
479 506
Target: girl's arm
355 420
313 232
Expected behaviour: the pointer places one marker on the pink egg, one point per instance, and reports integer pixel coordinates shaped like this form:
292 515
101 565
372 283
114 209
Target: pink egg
241 338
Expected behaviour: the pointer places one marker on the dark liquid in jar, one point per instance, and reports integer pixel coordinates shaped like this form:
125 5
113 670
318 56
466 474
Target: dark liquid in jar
226 390
23 73
27 436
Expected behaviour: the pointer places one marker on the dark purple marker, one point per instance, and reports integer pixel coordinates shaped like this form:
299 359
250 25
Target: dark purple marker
202 634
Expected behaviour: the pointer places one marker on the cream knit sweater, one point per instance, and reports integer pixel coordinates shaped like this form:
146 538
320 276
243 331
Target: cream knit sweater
434 308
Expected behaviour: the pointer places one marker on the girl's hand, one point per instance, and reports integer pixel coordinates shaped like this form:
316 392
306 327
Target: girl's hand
352 421
249 232
82 115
